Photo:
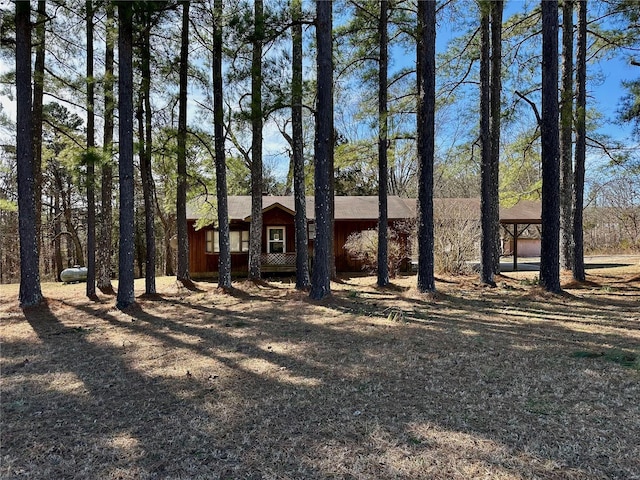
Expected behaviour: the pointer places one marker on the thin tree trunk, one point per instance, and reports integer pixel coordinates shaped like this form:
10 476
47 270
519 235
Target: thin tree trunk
139 238
169 261
302 242
150 216
426 141
148 185
181 196
486 220
38 96
497 8
566 130
321 275
288 184
549 254
168 226
90 158
383 174
255 235
125 296
57 232
581 108
106 220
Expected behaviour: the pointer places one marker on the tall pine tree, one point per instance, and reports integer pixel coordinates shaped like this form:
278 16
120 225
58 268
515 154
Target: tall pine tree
549 253
297 140
182 273
30 293
581 143
426 141
224 263
321 275
126 296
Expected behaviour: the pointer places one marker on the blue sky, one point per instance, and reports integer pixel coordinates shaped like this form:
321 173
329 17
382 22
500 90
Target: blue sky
605 96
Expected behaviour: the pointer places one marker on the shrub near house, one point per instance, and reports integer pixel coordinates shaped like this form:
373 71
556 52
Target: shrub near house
363 247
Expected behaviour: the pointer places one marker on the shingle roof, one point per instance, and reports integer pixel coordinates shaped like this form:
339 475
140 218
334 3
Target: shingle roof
452 206
346 208
366 207
525 211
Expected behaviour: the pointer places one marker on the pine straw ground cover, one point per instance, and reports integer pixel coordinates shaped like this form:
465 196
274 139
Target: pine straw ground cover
262 383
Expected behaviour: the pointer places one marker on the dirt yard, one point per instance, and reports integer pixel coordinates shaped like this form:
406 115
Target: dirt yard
263 383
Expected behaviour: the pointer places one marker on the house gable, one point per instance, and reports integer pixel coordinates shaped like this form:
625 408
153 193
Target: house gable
274 206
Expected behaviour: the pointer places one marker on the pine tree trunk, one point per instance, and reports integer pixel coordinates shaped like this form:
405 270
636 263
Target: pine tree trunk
224 263
255 234
426 62
566 131
90 157
497 8
549 254
57 232
486 198
38 96
106 219
183 275
321 275
148 186
302 242
126 296
383 175
581 108
30 293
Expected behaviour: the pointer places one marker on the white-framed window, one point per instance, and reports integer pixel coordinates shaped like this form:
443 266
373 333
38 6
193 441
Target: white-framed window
276 240
312 231
238 240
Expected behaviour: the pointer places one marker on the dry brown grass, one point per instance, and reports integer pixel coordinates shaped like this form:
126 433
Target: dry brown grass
472 382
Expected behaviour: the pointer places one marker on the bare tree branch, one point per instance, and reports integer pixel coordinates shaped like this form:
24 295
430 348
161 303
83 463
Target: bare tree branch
533 106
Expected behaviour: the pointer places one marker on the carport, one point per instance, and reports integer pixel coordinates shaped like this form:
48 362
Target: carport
515 220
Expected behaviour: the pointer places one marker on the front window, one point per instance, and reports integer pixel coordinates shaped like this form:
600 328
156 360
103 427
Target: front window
238 241
275 240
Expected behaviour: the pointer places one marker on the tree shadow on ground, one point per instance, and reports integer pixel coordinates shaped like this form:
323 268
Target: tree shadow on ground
280 386
107 419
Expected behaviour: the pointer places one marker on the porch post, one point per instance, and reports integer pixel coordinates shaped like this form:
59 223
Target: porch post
515 247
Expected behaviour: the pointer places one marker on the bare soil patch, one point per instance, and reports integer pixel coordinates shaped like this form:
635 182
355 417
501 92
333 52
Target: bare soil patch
261 382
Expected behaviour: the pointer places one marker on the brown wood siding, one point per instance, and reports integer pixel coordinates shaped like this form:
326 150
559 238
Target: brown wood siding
201 262
279 218
342 230
197 258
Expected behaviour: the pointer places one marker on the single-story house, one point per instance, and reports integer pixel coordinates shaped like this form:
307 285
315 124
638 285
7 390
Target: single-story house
352 214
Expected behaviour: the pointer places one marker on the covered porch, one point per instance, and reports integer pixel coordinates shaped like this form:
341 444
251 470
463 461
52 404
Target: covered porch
515 221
